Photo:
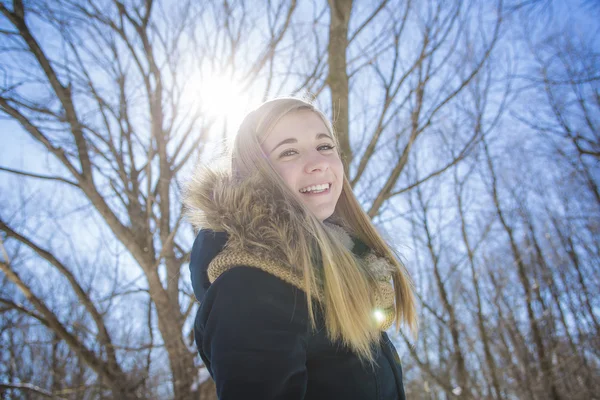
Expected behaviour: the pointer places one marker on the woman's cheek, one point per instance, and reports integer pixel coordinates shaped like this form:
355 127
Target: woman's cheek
287 174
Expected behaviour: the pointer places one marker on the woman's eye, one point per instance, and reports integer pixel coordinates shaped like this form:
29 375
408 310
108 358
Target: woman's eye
287 153
327 147
291 152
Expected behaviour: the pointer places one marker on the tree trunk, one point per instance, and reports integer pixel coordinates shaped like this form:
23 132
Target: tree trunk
337 79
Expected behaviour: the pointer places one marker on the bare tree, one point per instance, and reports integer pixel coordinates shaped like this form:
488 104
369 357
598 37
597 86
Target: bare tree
489 174
565 79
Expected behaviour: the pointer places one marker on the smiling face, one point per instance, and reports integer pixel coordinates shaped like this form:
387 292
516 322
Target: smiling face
300 148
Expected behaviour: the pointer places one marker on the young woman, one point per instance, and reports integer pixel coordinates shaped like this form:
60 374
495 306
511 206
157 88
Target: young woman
294 281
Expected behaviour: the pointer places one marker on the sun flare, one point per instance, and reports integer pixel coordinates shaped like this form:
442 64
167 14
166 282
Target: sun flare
220 98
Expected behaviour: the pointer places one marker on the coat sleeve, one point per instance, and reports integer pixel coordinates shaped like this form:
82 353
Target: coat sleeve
252 335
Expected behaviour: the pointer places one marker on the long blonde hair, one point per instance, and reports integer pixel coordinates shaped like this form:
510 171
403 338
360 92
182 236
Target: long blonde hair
347 288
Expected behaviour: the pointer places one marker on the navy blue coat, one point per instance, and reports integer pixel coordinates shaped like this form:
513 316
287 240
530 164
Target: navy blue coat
253 333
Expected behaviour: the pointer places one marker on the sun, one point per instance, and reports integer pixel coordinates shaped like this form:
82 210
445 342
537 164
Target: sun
222 97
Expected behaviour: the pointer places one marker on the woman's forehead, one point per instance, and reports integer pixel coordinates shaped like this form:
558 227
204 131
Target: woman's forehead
303 124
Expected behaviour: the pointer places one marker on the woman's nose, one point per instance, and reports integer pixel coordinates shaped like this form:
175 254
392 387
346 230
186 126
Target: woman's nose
316 162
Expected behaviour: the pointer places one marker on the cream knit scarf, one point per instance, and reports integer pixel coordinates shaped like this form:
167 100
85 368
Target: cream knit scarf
382 270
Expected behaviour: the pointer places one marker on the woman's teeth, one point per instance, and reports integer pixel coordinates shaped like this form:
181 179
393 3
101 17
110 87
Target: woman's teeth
315 188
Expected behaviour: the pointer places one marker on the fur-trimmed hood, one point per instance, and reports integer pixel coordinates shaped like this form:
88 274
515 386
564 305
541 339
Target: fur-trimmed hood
256 219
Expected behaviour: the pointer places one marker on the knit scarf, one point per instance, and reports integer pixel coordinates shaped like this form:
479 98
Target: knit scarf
381 269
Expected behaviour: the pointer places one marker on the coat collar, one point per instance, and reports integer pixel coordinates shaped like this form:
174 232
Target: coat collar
253 213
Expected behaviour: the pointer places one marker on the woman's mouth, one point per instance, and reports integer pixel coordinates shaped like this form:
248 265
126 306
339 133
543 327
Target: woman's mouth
316 190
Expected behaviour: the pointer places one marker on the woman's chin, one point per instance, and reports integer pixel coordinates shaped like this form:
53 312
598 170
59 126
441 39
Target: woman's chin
323 213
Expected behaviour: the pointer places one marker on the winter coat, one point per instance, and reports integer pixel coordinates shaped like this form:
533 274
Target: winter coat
252 328
253 334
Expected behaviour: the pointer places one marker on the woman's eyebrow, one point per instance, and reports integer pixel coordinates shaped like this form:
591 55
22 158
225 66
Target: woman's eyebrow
319 135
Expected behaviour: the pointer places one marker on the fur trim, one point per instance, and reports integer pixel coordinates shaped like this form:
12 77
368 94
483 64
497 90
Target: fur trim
256 220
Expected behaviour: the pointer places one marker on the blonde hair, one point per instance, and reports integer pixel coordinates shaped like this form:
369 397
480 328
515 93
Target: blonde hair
347 287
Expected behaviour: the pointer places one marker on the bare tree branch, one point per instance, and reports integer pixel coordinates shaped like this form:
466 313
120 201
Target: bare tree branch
39 176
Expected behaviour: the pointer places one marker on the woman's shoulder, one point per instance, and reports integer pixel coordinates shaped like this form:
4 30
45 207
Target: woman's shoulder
246 279
247 290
